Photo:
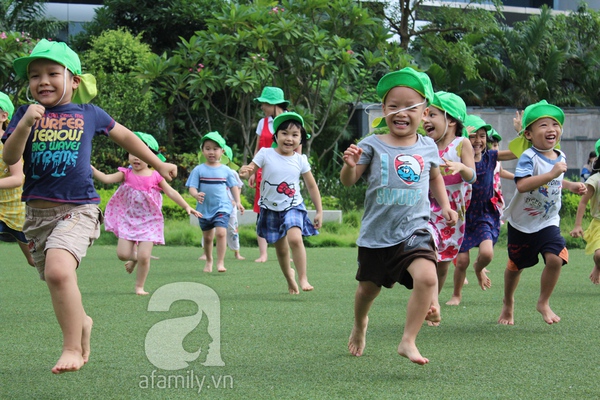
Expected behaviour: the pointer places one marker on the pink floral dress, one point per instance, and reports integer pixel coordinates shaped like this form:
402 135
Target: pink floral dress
134 212
449 238
498 199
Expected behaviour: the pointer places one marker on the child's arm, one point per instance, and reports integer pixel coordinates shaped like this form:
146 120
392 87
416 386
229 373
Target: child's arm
14 178
247 171
176 197
199 196
504 174
438 190
532 182
108 179
351 171
235 192
577 229
575 187
465 167
134 145
315 196
506 155
15 144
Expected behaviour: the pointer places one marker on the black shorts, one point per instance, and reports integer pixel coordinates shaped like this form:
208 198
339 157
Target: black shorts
387 265
524 248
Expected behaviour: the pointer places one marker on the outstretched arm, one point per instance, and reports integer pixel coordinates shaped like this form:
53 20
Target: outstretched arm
247 170
108 178
176 197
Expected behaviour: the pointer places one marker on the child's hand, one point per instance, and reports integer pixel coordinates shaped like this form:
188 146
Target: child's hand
451 216
577 232
453 166
352 155
318 220
200 197
517 121
252 181
190 210
559 168
34 113
167 171
241 208
580 188
244 171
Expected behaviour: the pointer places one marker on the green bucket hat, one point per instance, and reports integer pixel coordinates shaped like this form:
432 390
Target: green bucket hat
272 95
477 123
452 104
597 147
62 54
542 109
6 105
215 137
151 143
406 77
495 135
226 158
286 116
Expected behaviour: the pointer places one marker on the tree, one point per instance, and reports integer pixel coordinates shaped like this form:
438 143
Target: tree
28 16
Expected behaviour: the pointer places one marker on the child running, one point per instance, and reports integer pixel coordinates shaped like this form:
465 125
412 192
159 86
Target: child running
443 123
592 233
394 243
12 209
134 212
532 216
283 219
208 184
54 137
483 218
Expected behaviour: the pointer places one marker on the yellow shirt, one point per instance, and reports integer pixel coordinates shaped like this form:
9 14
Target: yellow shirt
12 209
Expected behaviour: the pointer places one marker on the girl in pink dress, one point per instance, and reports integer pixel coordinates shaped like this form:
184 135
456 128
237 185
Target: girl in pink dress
134 212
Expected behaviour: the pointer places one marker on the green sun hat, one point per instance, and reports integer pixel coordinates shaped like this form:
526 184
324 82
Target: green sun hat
62 54
476 122
215 137
226 158
272 95
495 135
597 147
452 104
151 143
286 116
406 77
542 109
6 105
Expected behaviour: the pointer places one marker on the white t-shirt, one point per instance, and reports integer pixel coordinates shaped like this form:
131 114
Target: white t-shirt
280 185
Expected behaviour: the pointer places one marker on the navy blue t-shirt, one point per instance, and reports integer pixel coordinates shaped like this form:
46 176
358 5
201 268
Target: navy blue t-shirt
58 152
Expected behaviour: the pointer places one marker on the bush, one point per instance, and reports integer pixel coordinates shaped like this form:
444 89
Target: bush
570 202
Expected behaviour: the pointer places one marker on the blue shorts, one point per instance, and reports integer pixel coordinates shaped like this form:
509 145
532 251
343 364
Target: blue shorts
387 265
524 248
273 225
8 234
219 220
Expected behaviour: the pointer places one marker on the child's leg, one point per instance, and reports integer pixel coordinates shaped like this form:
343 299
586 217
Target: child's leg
126 252
365 295
144 253
442 273
282 250
460 273
550 276
25 249
221 234
595 275
484 258
294 239
434 318
511 281
76 326
262 248
424 277
207 239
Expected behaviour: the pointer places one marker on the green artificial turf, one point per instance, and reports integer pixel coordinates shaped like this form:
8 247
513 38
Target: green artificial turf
275 345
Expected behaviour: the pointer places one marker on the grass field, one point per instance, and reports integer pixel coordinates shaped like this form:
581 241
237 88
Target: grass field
277 346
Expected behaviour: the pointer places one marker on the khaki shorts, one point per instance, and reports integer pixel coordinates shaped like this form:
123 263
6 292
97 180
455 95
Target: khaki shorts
69 227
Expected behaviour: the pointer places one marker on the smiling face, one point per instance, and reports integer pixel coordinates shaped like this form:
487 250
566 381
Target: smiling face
404 110
288 139
50 83
544 133
479 141
212 152
437 124
137 164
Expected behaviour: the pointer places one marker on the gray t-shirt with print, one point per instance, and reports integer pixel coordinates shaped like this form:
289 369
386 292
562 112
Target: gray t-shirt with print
396 200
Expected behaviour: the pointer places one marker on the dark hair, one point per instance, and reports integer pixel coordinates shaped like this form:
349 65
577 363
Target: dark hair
459 125
291 122
592 155
596 166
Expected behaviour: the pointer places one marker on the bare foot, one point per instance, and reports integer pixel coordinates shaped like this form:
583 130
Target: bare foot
358 339
221 268
85 338
466 281
595 275
433 316
293 288
484 282
69 361
202 257
411 352
454 301
307 287
261 259
547 314
130 265
140 292
208 266
239 257
506 316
